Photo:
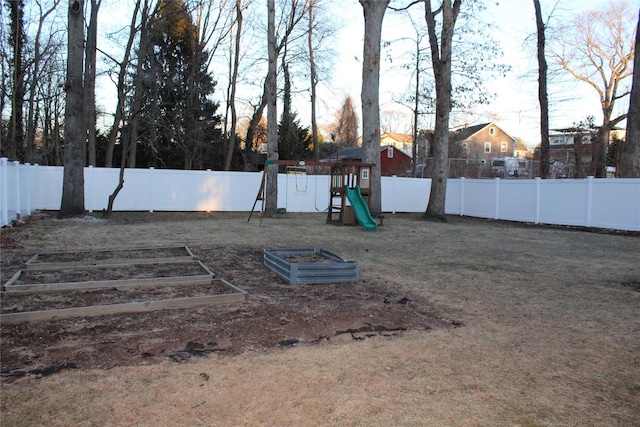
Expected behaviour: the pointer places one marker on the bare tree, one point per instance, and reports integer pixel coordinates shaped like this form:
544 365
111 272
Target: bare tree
90 80
17 39
233 82
598 49
630 153
292 13
543 97
40 55
441 48
120 85
373 15
75 126
271 88
313 80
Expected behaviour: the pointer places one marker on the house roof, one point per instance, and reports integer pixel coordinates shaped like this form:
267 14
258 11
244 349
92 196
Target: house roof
400 137
468 131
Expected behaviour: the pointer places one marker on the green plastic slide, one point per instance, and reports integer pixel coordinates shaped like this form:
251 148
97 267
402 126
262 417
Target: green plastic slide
360 208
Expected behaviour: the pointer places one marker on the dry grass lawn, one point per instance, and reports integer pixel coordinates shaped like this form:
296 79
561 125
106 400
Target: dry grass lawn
550 335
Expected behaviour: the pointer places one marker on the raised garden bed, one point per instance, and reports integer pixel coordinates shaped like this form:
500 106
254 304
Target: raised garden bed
110 257
308 266
84 278
76 284
219 291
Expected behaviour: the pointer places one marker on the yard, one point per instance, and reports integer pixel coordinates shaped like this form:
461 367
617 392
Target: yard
473 322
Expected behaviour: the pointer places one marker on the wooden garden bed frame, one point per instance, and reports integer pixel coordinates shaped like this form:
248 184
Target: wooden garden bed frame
235 295
35 263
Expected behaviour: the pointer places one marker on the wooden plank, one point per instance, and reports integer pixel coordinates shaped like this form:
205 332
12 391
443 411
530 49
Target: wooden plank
149 282
33 263
124 308
115 262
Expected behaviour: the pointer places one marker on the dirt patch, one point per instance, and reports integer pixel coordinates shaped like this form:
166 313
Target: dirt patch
276 315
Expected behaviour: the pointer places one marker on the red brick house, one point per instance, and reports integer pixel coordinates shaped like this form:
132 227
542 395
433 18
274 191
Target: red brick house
392 160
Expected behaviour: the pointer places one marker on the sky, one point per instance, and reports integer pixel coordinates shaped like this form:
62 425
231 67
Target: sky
515 106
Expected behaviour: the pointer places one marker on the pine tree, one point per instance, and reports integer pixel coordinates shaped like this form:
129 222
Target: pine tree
177 89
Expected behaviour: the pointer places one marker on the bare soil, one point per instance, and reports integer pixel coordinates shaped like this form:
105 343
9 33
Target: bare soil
277 315
470 322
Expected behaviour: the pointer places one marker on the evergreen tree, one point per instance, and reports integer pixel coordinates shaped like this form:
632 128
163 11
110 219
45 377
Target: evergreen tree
178 117
293 139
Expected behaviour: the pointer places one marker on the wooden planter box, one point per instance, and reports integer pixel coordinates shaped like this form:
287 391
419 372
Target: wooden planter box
235 295
12 287
313 266
105 264
111 257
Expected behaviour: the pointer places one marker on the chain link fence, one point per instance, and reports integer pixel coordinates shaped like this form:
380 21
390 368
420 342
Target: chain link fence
504 167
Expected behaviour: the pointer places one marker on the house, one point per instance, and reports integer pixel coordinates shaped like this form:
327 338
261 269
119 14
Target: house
392 160
567 145
399 141
483 150
484 141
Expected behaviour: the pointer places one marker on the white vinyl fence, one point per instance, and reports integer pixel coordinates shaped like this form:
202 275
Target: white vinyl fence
601 203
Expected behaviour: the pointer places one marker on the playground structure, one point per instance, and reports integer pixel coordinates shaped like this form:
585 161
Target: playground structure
349 190
351 181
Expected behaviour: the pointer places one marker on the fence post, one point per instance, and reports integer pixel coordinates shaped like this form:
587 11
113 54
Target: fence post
18 190
497 206
462 196
536 219
393 194
589 190
89 181
3 191
209 174
151 189
27 170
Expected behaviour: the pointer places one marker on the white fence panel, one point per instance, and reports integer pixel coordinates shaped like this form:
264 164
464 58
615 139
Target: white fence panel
563 202
479 198
9 202
517 200
400 194
299 193
605 203
48 187
615 204
454 201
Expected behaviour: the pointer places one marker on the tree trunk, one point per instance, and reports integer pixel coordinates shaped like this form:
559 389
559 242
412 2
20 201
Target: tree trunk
16 125
233 83
441 62
578 150
271 170
314 82
90 81
119 113
370 96
630 156
75 125
542 94
601 147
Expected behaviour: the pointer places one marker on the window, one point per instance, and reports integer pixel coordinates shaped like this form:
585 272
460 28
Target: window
492 131
487 147
390 152
465 145
503 147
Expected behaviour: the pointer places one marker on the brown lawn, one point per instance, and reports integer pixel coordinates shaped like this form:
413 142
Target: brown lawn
473 322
